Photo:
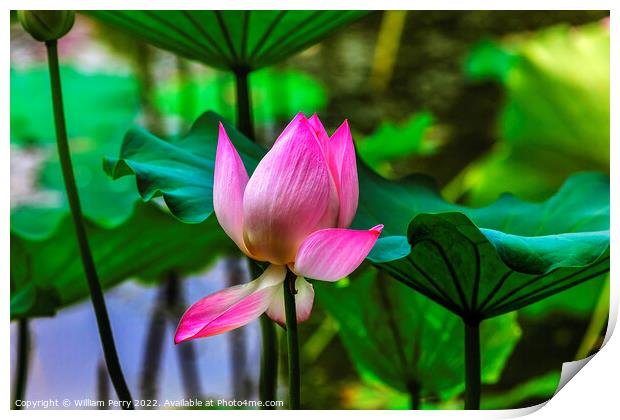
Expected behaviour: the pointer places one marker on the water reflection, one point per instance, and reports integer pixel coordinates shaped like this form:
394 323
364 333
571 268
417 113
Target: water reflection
66 350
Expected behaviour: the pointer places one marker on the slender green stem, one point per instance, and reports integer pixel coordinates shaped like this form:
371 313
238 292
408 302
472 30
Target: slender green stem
187 97
269 362
292 340
101 313
472 365
414 395
269 355
144 67
244 103
23 359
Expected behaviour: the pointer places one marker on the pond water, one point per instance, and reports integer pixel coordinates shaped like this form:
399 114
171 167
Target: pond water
66 350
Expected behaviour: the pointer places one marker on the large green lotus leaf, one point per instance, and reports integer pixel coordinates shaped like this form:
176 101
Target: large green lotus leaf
276 94
491 260
230 39
181 170
555 118
96 105
484 273
398 337
47 273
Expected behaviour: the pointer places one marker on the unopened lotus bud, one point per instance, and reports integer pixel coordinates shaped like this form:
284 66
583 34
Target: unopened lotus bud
46 25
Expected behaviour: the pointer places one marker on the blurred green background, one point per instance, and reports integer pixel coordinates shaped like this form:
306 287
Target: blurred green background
483 101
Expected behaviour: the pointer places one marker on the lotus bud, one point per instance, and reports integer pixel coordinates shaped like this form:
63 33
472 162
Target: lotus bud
46 25
293 212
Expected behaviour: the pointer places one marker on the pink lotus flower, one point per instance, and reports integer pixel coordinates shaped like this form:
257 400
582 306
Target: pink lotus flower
293 212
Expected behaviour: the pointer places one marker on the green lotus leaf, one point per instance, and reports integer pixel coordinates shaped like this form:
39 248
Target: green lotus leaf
488 261
181 170
402 339
230 39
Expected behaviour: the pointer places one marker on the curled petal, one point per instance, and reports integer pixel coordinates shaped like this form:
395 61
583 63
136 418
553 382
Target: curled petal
303 302
343 156
229 182
230 308
289 196
331 254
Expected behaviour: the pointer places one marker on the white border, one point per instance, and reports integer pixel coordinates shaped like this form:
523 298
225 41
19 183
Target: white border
316 4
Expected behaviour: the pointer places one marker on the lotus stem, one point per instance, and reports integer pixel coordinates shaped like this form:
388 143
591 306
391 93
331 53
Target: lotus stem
23 359
414 395
292 340
244 103
269 354
472 364
96 294
144 69
386 50
269 362
187 96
